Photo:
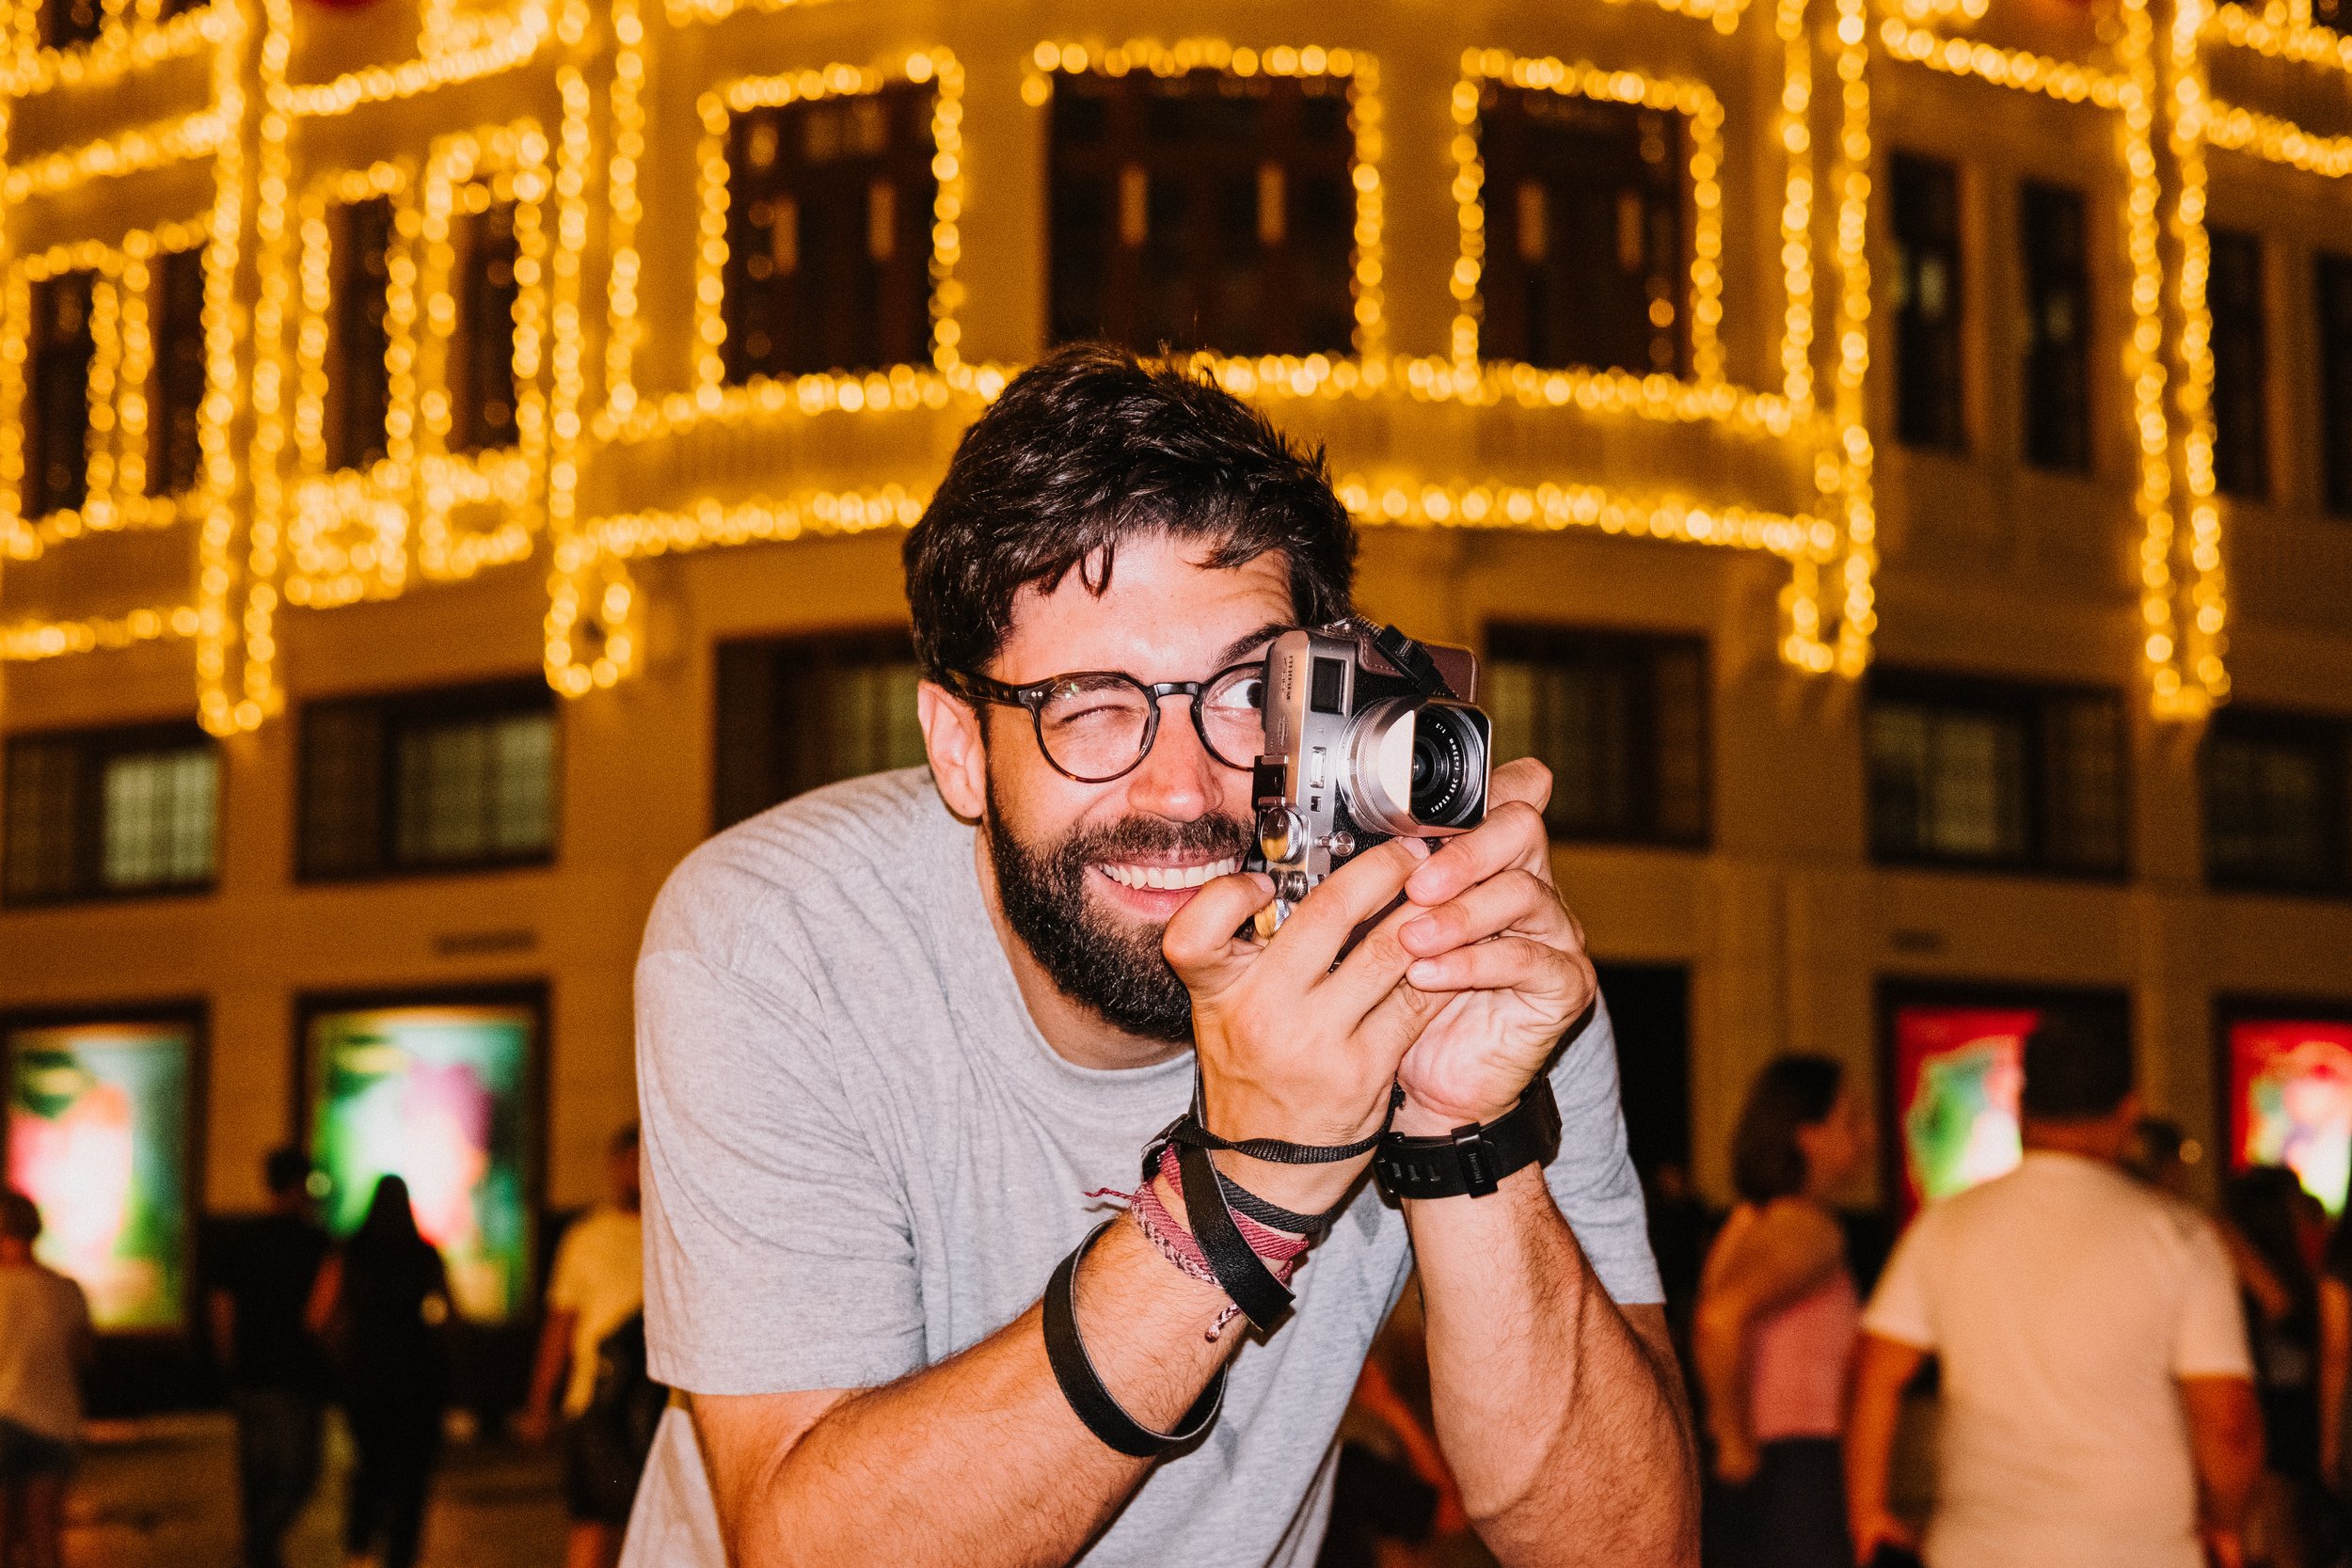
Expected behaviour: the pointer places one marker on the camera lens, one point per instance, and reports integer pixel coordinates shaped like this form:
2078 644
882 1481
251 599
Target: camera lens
1448 755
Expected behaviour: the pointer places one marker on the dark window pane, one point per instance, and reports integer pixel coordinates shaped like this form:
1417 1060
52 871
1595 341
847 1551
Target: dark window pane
2241 410
363 382
829 235
68 23
2333 13
1925 204
429 781
2334 286
482 354
1585 260
1201 210
2082 790
803 712
56 430
176 462
1947 785
2057 327
110 812
2275 805
1621 721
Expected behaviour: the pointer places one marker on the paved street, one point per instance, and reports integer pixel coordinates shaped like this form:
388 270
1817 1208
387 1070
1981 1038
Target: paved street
162 1494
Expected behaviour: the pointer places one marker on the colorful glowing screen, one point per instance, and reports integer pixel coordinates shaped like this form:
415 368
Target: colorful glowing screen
2291 1101
436 1096
98 1138
1957 1075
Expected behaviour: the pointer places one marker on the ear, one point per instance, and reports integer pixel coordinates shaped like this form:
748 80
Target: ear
958 753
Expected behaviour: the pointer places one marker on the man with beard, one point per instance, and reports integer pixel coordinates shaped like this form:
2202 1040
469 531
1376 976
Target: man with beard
897 1038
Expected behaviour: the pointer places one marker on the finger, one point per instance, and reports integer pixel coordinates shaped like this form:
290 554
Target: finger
1390 1029
1200 942
1371 970
1312 936
1508 901
1524 780
1506 964
1512 834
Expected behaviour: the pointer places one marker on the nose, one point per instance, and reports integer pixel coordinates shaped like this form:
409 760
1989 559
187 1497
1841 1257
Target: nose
1178 779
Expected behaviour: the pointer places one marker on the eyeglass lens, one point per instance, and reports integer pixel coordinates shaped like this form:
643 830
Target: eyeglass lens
1094 727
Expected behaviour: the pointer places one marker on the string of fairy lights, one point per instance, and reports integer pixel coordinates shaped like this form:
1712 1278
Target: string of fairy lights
281 527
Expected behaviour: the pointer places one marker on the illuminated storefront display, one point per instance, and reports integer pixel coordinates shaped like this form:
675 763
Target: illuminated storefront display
1957 1070
436 1095
2291 1100
97 1125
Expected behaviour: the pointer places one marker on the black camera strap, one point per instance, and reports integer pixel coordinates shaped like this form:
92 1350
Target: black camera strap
1412 661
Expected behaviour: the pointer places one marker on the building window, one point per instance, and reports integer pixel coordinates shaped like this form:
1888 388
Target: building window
2277 809
1926 208
829 235
2333 13
800 712
57 432
2051 224
1967 773
1202 211
1584 262
110 813
363 382
1619 719
450 780
2241 411
176 462
481 368
2334 286
69 22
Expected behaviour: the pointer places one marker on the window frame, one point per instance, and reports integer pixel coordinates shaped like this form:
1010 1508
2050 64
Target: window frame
2251 446
2292 725
2332 281
408 710
1951 402
2032 701
1531 640
872 639
95 746
2061 371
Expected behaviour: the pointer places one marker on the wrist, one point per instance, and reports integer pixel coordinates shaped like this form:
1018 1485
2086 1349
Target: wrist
1420 1118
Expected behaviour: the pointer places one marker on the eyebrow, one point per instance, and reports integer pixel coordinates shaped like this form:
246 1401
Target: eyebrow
1240 645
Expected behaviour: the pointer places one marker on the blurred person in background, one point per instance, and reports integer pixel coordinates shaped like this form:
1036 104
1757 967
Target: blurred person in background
1778 1316
263 1270
45 1342
2098 1407
598 1290
2264 1211
2163 1156
381 1304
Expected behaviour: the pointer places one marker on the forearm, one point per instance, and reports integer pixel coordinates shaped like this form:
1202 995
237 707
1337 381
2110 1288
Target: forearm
1719 1347
1564 1429
547 1372
1870 1450
979 1460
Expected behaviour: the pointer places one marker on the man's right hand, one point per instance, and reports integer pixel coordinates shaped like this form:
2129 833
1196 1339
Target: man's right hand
1288 1046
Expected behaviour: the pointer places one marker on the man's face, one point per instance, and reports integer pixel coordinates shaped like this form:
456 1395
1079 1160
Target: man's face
1089 874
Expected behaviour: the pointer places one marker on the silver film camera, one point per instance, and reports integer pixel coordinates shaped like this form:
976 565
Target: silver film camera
1369 736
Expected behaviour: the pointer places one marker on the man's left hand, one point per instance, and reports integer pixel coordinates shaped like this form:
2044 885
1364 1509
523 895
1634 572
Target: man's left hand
1496 935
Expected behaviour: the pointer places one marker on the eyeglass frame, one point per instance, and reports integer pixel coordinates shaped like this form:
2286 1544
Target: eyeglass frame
974 686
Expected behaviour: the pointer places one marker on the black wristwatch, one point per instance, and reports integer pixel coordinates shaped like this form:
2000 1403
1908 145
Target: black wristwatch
1475 1158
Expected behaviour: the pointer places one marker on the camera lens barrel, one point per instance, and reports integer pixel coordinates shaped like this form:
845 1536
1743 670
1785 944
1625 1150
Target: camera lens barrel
1415 765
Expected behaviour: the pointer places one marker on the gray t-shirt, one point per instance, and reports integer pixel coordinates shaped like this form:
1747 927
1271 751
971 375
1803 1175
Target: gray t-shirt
861 1157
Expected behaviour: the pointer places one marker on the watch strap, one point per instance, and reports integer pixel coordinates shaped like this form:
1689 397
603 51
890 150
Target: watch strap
1472 1160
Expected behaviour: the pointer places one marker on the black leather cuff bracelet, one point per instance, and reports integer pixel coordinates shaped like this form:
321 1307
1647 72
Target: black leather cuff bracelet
1472 1159
1080 1385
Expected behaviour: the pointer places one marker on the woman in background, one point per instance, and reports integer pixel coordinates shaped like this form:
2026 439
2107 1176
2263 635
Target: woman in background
379 1306
2267 1226
1776 1323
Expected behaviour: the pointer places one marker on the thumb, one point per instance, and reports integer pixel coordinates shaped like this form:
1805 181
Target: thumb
1200 942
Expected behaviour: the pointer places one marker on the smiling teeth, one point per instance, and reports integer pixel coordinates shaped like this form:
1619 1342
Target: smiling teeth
1170 877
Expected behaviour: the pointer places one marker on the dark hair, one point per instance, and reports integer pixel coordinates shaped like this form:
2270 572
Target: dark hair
2074 1072
1791 1092
283 1170
1087 447
622 1142
20 1216
2267 1203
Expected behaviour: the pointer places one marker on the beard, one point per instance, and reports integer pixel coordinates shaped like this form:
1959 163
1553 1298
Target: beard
1094 958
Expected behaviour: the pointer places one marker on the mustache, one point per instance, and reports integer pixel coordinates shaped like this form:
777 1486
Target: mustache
1134 837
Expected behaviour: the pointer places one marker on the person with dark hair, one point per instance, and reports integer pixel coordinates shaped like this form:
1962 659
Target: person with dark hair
596 1290
381 1304
1777 1317
45 1345
262 1270
2098 1405
2266 1227
903 1045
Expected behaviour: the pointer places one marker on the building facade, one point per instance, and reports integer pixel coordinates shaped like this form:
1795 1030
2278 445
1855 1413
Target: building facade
1893 455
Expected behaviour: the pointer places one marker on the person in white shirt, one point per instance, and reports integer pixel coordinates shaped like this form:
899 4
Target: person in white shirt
2098 1400
44 1344
598 1285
